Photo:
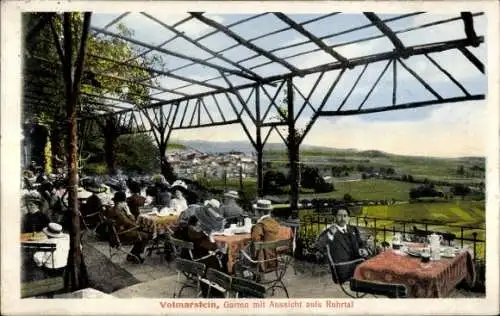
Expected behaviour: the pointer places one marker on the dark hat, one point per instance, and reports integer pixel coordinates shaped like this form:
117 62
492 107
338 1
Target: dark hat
120 196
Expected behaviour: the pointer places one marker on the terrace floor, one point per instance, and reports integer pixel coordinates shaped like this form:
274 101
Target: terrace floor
158 279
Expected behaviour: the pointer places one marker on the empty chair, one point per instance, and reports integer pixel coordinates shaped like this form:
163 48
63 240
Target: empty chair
218 281
193 272
247 289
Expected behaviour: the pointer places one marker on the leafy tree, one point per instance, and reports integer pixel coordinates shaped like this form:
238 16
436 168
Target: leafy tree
136 153
460 190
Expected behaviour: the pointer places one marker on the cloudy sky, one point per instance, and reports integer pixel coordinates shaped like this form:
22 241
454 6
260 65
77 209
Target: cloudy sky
454 129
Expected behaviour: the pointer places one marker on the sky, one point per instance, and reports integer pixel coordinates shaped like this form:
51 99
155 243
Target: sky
454 129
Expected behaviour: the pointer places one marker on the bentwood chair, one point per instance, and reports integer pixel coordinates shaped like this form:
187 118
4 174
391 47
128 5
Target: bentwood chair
217 280
271 271
247 289
193 274
378 288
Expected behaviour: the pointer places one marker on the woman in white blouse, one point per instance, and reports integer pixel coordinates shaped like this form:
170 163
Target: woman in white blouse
178 204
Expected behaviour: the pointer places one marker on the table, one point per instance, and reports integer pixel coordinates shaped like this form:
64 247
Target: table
431 280
33 237
154 224
235 243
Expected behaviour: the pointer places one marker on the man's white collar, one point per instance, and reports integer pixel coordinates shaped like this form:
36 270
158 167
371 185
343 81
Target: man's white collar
263 217
341 228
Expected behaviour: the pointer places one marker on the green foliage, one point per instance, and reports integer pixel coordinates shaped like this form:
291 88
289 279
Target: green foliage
175 146
96 168
136 153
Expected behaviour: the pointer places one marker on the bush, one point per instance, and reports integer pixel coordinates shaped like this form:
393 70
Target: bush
96 169
348 198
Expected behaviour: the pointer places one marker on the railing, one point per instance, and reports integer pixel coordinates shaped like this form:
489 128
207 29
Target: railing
382 228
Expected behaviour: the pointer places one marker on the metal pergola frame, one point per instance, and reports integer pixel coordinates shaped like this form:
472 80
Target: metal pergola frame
184 110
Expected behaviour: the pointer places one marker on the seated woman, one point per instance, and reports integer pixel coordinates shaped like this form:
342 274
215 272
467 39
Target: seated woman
125 222
178 204
266 229
34 220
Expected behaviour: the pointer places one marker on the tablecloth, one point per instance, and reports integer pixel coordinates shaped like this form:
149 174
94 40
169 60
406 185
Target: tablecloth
424 280
154 224
237 242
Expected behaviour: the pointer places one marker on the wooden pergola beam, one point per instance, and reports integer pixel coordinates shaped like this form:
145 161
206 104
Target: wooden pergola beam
175 54
165 73
243 41
299 28
204 48
398 44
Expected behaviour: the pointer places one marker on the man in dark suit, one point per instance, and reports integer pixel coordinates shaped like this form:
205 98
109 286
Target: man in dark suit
345 245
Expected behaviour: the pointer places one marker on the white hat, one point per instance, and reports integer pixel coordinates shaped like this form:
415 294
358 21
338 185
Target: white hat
232 194
83 194
212 203
179 183
263 205
53 230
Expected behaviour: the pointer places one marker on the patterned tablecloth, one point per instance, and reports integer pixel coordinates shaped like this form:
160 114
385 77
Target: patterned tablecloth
155 224
237 242
424 280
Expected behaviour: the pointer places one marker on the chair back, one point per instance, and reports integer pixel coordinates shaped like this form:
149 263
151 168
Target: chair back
246 288
279 245
113 237
221 279
190 267
378 288
177 246
32 247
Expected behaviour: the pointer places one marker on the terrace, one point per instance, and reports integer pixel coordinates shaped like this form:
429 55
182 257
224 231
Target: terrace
246 81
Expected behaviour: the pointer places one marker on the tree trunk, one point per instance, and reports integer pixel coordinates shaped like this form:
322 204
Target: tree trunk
109 148
76 276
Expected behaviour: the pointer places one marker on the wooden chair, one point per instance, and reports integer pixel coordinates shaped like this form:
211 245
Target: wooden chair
115 245
217 280
333 264
195 271
247 289
279 265
40 287
378 288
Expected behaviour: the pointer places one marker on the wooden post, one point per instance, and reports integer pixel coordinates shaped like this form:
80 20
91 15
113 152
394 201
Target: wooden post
259 148
293 150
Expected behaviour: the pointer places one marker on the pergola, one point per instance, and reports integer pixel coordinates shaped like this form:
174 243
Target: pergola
245 88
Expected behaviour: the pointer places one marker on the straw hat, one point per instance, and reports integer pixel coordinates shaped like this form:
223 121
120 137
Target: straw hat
179 184
263 205
213 203
53 230
232 194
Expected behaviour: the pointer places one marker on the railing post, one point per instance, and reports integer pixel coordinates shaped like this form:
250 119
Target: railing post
474 237
375 229
461 237
384 232
357 221
404 228
426 226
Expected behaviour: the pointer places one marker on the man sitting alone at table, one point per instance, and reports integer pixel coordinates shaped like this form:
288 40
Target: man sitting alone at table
345 245
126 227
54 263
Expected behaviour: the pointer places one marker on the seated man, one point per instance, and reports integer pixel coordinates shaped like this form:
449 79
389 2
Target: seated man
204 247
345 245
136 200
54 263
230 210
266 229
125 223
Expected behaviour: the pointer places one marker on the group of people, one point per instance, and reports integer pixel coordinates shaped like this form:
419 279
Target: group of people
196 222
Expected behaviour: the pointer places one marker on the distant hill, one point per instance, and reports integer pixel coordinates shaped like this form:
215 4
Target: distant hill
246 147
